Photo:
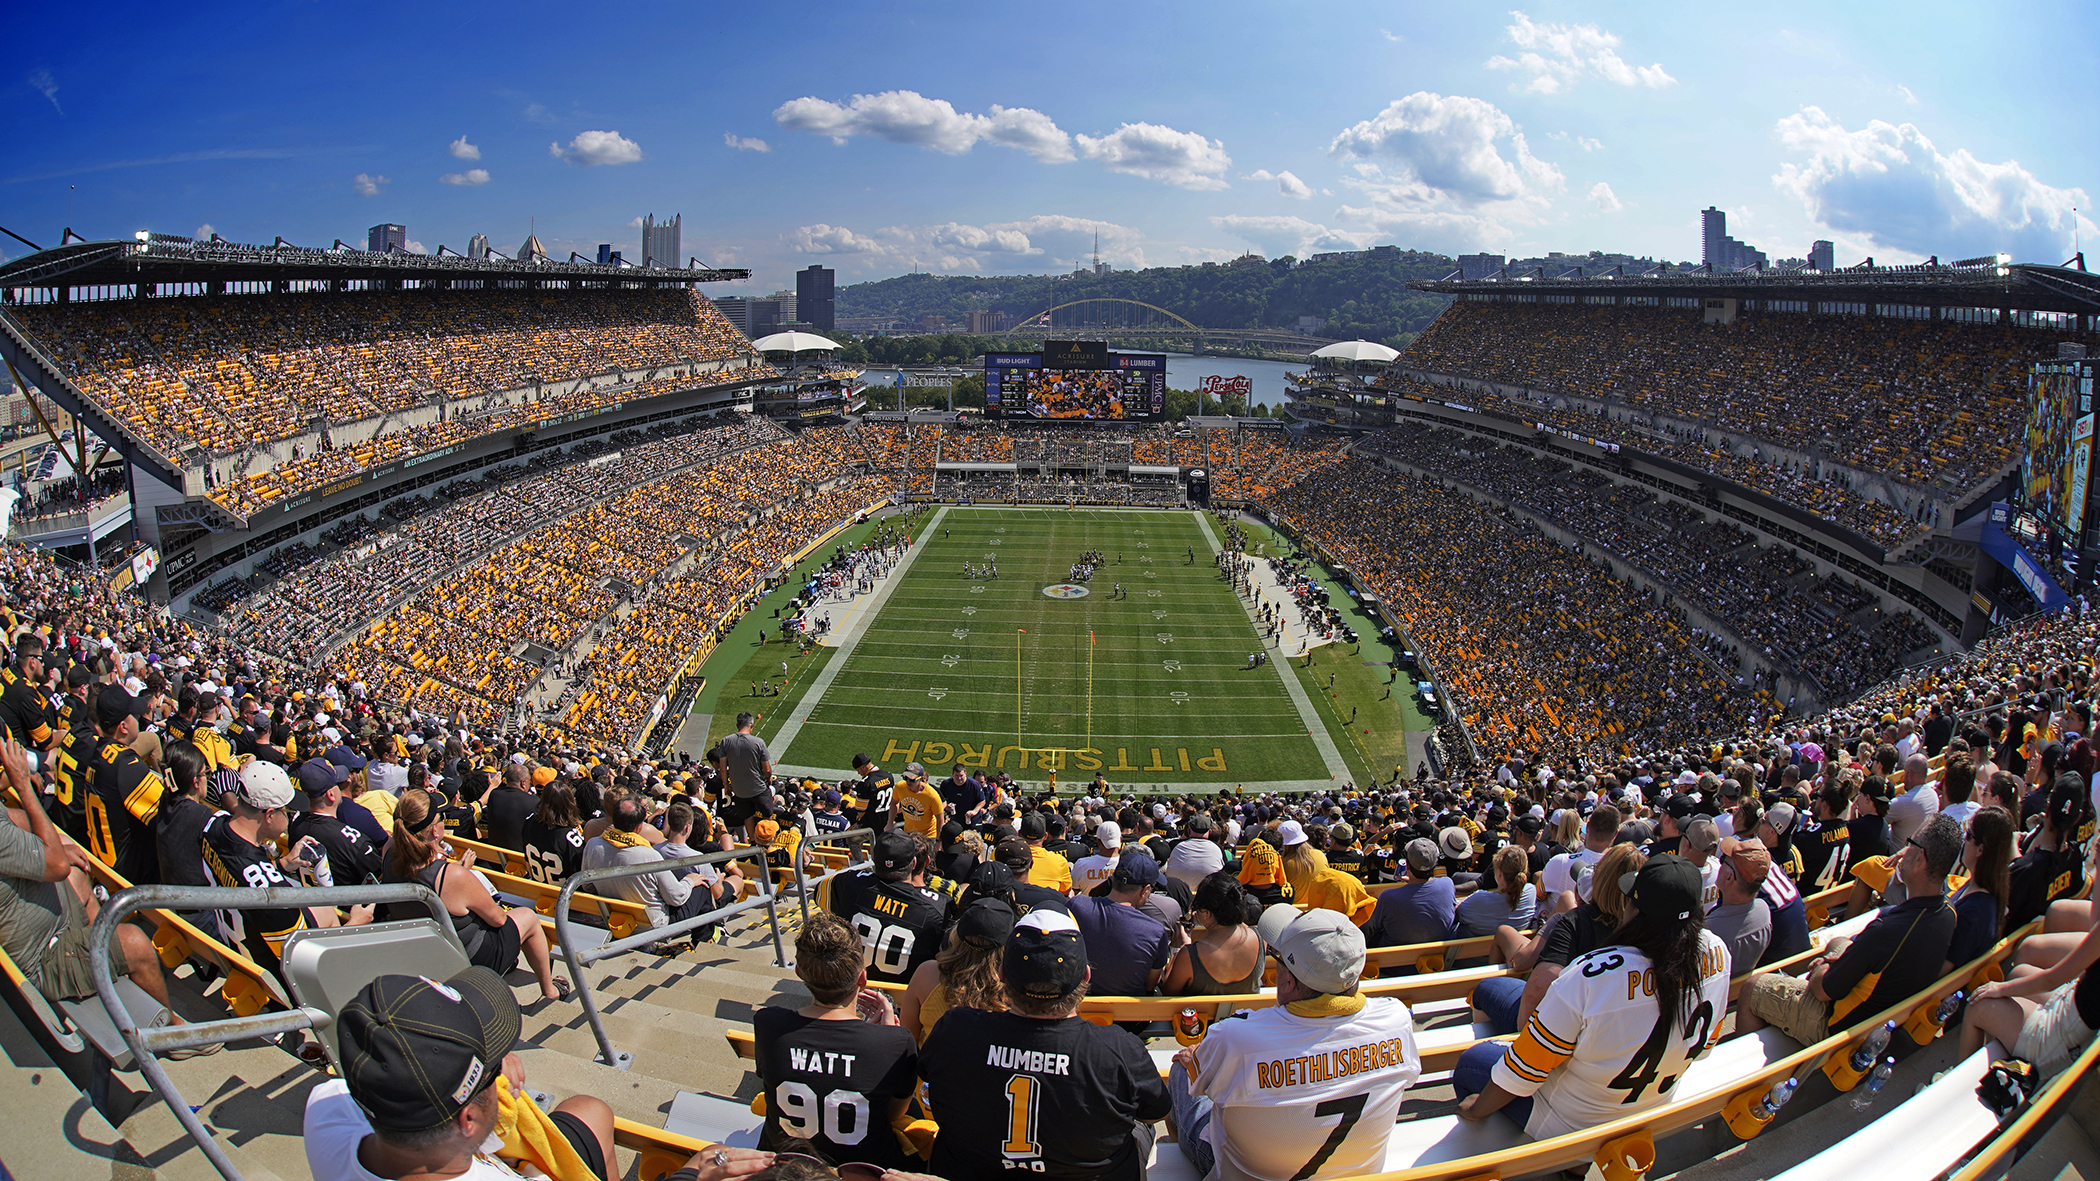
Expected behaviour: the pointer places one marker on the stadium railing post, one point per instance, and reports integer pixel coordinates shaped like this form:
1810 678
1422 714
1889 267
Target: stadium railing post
579 957
147 1043
856 841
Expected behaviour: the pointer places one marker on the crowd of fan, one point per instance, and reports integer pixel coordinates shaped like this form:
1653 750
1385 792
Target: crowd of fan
1541 649
223 374
1800 621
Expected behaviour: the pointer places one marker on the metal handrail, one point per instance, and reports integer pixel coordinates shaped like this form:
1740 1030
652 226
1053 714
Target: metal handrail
579 958
858 835
183 899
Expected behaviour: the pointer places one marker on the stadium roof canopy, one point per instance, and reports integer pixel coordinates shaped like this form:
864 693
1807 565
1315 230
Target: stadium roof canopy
1977 283
1358 350
792 342
164 258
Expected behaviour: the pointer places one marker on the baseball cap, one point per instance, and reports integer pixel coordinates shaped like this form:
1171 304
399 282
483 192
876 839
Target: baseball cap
542 776
1109 834
264 785
415 1052
1136 869
1667 887
1342 832
1702 833
831 796
1032 826
994 878
1455 843
1421 855
113 705
1290 832
1781 818
895 852
1321 947
985 923
1751 860
1679 806
1014 853
1045 957
914 771
318 775
1530 825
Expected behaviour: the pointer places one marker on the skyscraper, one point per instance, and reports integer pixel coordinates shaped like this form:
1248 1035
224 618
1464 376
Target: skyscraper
607 256
660 241
813 298
478 246
1823 256
1720 251
386 239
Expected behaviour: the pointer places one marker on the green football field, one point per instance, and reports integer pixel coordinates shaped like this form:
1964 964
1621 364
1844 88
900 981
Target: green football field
1012 673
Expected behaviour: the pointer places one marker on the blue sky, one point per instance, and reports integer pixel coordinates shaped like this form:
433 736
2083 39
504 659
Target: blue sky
997 139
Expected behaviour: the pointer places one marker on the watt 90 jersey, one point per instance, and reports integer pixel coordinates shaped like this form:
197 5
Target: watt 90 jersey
1594 1051
900 924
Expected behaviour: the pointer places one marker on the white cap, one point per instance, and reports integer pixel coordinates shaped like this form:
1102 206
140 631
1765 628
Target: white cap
264 785
1109 834
1290 832
1321 947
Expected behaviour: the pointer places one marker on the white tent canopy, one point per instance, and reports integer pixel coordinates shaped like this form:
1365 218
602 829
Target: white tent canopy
799 342
1358 350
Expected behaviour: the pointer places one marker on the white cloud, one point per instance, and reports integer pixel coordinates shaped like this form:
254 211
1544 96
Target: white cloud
414 247
908 117
744 143
597 147
1286 183
1154 152
462 150
368 186
1892 186
1909 99
43 83
1027 244
1390 35
1278 236
203 233
472 176
1559 55
1581 141
1603 198
1446 149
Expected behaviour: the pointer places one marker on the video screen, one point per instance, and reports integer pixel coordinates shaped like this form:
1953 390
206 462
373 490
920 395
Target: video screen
2057 468
1103 387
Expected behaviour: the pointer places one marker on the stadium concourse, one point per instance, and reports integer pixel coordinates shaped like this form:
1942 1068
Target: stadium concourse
467 546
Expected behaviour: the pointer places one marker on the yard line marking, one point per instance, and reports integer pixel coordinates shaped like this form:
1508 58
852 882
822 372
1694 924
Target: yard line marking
855 626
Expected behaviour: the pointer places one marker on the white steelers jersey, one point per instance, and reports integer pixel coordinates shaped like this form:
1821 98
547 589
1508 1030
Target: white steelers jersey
1305 1097
1592 1052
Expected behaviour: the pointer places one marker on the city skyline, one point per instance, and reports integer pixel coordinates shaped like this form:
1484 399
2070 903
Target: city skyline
1554 127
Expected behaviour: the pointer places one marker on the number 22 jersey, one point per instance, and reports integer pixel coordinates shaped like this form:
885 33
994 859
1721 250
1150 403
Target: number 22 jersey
1595 1052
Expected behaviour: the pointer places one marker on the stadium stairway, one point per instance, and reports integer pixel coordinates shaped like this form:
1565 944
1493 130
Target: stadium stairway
670 1012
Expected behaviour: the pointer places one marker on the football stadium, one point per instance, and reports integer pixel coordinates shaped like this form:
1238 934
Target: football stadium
481 700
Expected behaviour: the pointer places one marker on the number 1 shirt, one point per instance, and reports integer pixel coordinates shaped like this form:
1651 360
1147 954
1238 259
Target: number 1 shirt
1594 1051
1056 1099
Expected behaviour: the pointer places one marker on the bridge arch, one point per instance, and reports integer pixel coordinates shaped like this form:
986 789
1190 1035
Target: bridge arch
1028 322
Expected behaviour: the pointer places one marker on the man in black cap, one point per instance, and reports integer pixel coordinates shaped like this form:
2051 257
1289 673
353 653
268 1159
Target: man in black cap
122 792
352 858
1038 1088
1016 856
899 917
1676 813
418 1096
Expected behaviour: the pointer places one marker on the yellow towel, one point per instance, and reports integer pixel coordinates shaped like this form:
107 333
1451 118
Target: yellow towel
528 1134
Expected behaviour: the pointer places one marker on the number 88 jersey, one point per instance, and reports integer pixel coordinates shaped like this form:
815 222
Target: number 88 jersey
900 924
1594 1051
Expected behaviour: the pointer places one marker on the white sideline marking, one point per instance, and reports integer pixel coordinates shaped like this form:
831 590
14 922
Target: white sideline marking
855 626
1317 729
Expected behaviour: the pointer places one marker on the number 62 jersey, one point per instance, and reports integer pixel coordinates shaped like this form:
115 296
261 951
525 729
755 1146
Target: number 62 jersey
1595 1051
900 924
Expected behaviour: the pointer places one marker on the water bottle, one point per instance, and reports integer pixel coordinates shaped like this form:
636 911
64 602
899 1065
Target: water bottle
1877 1041
1945 1013
1879 1079
1775 1099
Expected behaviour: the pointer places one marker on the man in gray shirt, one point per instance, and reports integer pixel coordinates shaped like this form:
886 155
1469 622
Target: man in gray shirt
1919 802
665 896
1741 918
748 766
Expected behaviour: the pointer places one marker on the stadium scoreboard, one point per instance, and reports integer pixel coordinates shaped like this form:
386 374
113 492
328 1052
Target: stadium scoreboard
2056 470
1076 381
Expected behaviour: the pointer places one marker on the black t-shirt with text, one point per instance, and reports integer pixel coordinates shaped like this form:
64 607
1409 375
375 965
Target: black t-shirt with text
1824 848
123 798
900 924
1055 1099
832 1082
236 861
351 855
552 854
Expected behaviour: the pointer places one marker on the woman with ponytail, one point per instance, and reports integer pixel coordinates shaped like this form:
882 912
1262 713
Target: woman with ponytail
1614 1033
492 935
